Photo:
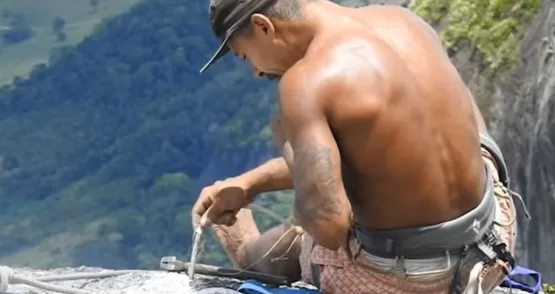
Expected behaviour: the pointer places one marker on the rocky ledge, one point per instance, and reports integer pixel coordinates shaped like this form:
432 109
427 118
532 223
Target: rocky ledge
133 282
128 282
116 282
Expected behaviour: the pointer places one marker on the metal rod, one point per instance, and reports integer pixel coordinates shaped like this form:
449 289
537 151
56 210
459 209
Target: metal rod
197 238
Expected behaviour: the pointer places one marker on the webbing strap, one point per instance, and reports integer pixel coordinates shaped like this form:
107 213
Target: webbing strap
316 275
456 286
315 269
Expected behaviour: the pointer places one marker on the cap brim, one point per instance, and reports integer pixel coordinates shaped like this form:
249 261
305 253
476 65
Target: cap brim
223 50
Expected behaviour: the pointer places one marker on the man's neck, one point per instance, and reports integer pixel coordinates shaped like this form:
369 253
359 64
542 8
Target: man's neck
299 33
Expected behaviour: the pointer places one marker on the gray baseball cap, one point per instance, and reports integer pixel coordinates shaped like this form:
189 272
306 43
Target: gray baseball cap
228 16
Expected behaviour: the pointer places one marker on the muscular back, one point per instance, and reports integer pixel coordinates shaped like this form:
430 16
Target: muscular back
407 134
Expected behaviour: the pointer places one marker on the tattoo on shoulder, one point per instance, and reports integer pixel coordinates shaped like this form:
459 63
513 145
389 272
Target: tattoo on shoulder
316 202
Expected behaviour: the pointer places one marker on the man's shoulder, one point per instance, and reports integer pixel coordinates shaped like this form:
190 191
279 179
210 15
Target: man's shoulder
343 64
308 80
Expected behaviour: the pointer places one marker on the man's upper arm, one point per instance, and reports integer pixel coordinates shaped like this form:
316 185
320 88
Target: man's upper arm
321 203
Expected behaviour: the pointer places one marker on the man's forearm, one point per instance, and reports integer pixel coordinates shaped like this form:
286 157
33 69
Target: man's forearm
273 175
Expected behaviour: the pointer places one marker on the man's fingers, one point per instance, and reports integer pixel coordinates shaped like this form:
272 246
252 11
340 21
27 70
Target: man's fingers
232 221
228 218
212 216
204 221
220 211
201 206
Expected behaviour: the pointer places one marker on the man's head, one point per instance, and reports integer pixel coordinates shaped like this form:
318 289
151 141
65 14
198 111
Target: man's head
266 32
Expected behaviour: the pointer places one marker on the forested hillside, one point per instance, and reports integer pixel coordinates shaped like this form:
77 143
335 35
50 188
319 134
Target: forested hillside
102 150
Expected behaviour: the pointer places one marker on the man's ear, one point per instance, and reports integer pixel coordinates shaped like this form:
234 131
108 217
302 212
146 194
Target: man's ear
262 25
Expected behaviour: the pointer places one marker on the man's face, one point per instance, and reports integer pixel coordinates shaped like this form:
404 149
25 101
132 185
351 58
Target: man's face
265 51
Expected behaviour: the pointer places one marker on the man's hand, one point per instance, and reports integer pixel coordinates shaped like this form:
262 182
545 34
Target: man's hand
219 204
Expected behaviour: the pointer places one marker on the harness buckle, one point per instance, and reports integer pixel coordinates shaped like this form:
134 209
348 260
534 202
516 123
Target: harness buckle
508 260
494 250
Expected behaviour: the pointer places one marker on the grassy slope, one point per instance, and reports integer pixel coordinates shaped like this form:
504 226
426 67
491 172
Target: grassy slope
80 19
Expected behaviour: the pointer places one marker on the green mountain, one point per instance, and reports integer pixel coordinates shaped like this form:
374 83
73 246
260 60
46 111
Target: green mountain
104 150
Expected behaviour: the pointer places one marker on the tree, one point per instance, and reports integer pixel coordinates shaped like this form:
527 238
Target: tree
19 30
58 26
9 163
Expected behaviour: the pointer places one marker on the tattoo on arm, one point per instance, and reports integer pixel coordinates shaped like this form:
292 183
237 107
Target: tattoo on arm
314 181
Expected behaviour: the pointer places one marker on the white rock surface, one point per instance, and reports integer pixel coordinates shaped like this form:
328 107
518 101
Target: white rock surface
139 282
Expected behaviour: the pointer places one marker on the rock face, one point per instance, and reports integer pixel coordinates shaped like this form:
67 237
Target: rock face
524 104
520 109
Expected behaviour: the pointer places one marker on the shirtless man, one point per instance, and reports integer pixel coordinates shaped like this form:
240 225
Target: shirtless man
380 139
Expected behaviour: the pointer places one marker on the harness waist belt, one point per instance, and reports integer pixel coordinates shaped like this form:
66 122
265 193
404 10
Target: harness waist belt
437 240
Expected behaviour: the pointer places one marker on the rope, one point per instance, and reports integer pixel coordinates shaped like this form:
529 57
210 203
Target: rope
7 277
297 229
